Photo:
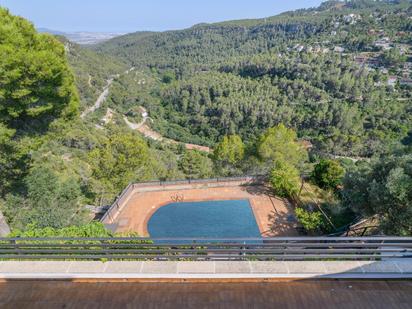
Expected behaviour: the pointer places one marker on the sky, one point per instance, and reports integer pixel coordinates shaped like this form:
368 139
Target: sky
137 15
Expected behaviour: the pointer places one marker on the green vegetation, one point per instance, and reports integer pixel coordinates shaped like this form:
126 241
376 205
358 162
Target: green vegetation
259 92
92 70
94 229
123 158
278 144
285 179
393 57
383 187
195 165
328 174
228 154
230 150
49 202
242 77
36 83
311 221
52 163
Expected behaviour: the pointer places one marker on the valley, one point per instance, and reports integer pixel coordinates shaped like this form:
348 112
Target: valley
317 99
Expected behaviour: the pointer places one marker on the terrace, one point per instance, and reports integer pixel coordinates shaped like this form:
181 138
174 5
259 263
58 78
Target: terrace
282 294
199 273
134 208
263 272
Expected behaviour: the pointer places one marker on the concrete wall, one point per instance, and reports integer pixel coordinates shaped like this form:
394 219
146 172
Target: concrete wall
253 270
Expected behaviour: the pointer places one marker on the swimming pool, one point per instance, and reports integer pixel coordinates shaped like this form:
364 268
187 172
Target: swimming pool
208 219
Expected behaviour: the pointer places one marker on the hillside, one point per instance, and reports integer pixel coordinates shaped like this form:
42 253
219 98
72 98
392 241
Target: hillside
319 96
53 162
327 72
207 44
91 70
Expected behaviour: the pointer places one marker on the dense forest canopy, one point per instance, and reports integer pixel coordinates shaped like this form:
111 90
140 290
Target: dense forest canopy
319 94
206 44
245 76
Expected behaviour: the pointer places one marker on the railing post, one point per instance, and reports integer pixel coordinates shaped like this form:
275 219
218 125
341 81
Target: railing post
16 246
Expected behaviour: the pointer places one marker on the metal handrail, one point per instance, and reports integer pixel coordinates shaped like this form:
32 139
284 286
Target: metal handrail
235 239
275 248
124 193
194 181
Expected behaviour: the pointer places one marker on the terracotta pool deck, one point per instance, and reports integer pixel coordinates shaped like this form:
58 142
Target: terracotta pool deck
273 216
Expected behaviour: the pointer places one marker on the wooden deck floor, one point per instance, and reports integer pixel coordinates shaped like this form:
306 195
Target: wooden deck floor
284 294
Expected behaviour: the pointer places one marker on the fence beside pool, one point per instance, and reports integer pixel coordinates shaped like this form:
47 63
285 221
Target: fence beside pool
132 188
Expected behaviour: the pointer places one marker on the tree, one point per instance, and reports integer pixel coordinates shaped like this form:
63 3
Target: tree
230 150
9 158
51 201
229 153
311 221
279 144
36 82
195 165
383 187
124 157
284 179
393 56
36 88
168 77
328 174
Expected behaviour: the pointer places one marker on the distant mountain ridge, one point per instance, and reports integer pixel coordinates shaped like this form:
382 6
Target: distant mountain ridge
84 37
210 42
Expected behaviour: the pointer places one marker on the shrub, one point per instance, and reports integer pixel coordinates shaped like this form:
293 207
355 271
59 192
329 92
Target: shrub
93 229
285 179
328 174
311 221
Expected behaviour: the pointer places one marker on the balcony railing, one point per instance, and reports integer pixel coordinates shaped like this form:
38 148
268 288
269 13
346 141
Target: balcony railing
261 249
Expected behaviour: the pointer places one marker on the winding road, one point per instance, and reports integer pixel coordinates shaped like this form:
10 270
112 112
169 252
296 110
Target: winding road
142 126
102 97
146 131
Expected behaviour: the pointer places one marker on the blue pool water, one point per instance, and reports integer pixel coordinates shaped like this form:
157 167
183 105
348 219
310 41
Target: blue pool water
210 219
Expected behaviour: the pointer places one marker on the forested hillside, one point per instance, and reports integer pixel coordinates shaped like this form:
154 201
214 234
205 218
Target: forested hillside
298 68
204 45
320 94
337 75
53 163
91 70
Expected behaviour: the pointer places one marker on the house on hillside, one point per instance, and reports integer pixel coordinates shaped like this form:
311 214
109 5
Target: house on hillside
406 82
373 63
143 112
361 59
298 47
383 70
352 18
392 81
384 43
338 49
